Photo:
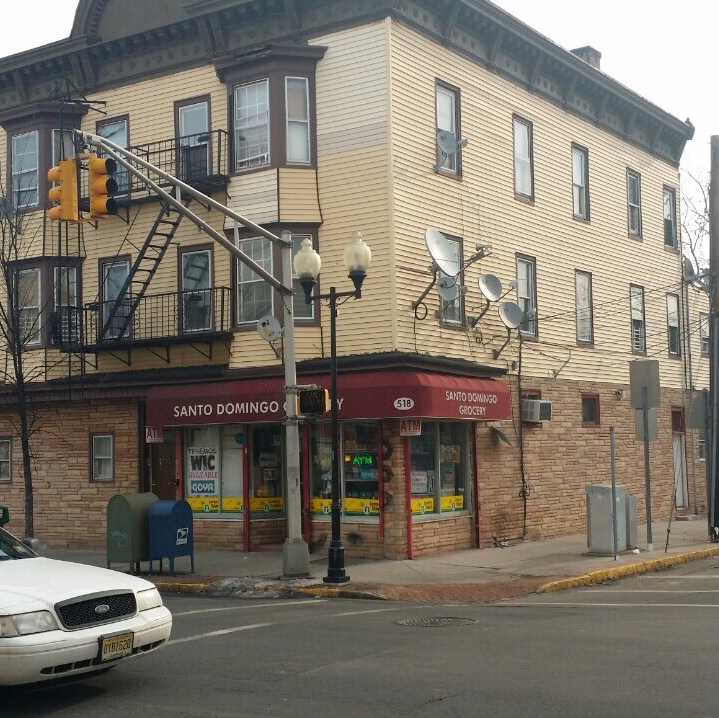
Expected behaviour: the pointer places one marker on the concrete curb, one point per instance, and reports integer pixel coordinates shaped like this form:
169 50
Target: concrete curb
178 587
633 569
322 592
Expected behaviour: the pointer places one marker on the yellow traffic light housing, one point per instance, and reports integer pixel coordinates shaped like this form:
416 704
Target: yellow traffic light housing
64 193
102 187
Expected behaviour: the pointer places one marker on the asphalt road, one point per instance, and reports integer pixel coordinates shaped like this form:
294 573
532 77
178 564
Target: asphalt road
644 647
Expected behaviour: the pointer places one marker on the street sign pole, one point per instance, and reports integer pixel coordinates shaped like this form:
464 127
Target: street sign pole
647 479
714 334
614 491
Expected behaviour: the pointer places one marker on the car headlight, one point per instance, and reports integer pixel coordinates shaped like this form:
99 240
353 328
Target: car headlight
148 599
25 624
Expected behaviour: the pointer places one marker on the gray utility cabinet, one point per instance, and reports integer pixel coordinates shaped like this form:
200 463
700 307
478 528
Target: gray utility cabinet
600 532
631 521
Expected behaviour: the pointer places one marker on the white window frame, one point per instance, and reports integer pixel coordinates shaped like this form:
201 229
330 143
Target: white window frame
669 192
673 323
580 182
704 334
527 298
7 461
587 310
701 450
638 335
458 303
111 457
267 245
205 292
447 163
636 207
31 307
263 157
291 121
18 172
521 161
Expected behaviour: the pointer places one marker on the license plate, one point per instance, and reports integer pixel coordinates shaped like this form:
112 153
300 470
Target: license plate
114 647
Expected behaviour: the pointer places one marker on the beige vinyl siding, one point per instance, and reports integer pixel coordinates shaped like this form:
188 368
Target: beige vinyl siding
254 195
298 196
482 209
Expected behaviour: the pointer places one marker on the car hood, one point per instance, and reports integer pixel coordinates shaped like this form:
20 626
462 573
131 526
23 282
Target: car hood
46 581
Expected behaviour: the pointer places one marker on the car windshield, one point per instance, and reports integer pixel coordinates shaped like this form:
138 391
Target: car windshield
11 548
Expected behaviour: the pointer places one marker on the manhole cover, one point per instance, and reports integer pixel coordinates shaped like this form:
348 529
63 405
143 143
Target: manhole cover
436 621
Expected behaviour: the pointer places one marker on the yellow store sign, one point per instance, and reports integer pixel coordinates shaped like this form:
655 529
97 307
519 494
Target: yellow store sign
422 506
452 503
362 507
204 504
321 506
266 506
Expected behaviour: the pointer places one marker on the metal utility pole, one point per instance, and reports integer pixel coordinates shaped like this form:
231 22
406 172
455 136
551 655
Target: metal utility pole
714 333
295 555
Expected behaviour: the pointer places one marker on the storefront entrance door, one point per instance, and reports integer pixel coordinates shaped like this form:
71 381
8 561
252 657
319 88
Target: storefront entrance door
164 480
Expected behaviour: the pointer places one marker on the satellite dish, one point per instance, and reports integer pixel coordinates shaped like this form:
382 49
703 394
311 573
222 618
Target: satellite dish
490 286
269 329
511 314
447 142
448 288
689 273
445 256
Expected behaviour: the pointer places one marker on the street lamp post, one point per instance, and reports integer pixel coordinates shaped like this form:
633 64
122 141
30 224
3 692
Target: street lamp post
307 264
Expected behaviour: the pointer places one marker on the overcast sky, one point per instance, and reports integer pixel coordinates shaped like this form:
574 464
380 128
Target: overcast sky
658 49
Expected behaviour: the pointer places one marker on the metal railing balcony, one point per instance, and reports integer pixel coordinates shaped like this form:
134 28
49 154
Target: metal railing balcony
199 160
201 315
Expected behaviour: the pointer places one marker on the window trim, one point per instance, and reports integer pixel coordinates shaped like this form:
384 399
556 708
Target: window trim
644 320
666 189
40 324
93 436
533 261
250 324
639 233
236 169
701 449
678 353
456 92
595 398
530 127
38 185
462 323
294 163
584 342
587 211
7 481
704 321
189 249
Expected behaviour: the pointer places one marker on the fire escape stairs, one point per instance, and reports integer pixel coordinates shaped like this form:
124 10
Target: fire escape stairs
119 317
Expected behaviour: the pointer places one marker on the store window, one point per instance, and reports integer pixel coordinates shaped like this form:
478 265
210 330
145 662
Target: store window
5 460
438 468
266 474
213 469
359 469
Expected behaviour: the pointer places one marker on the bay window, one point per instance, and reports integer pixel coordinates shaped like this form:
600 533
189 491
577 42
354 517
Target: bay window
29 305
25 170
252 125
297 108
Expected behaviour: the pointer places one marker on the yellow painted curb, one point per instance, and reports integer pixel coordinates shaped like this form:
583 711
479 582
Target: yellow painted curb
181 587
633 569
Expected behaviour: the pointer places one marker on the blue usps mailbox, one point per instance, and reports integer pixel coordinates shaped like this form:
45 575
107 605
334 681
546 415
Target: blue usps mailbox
170 532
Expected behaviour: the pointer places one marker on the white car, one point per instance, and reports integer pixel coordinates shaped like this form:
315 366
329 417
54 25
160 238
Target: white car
61 619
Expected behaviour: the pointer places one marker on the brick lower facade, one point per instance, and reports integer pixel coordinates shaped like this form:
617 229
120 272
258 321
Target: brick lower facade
561 457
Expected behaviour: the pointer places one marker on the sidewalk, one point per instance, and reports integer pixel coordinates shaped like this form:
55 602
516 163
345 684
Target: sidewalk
461 576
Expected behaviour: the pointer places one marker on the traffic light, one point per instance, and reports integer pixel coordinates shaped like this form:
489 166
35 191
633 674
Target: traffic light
102 187
64 193
313 402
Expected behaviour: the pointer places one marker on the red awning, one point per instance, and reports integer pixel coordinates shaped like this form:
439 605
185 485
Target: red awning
368 395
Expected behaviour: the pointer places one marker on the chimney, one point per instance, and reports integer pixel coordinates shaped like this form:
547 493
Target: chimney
589 55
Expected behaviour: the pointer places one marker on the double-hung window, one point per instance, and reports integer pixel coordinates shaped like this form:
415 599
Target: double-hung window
580 182
5 460
452 311
583 296
523 160
297 104
254 294
25 170
639 336
447 103
117 131
252 124
102 457
673 333
527 294
634 203
670 217
65 281
704 334
29 299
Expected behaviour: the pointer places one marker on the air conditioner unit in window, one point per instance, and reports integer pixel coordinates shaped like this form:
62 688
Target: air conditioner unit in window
535 410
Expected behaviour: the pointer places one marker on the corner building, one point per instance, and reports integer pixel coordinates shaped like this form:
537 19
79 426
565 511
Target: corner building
321 118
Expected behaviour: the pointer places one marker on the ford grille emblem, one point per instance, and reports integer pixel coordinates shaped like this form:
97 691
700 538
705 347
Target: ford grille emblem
102 608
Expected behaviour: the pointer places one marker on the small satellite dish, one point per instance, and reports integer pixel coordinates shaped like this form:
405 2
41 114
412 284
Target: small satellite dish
490 286
269 329
689 274
447 142
445 256
511 314
448 288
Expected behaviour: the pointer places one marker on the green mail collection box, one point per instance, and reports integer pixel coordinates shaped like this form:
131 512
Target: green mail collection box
127 533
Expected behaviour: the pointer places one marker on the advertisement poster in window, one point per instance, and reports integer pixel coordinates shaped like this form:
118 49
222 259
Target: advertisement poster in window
266 505
202 479
361 507
423 506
